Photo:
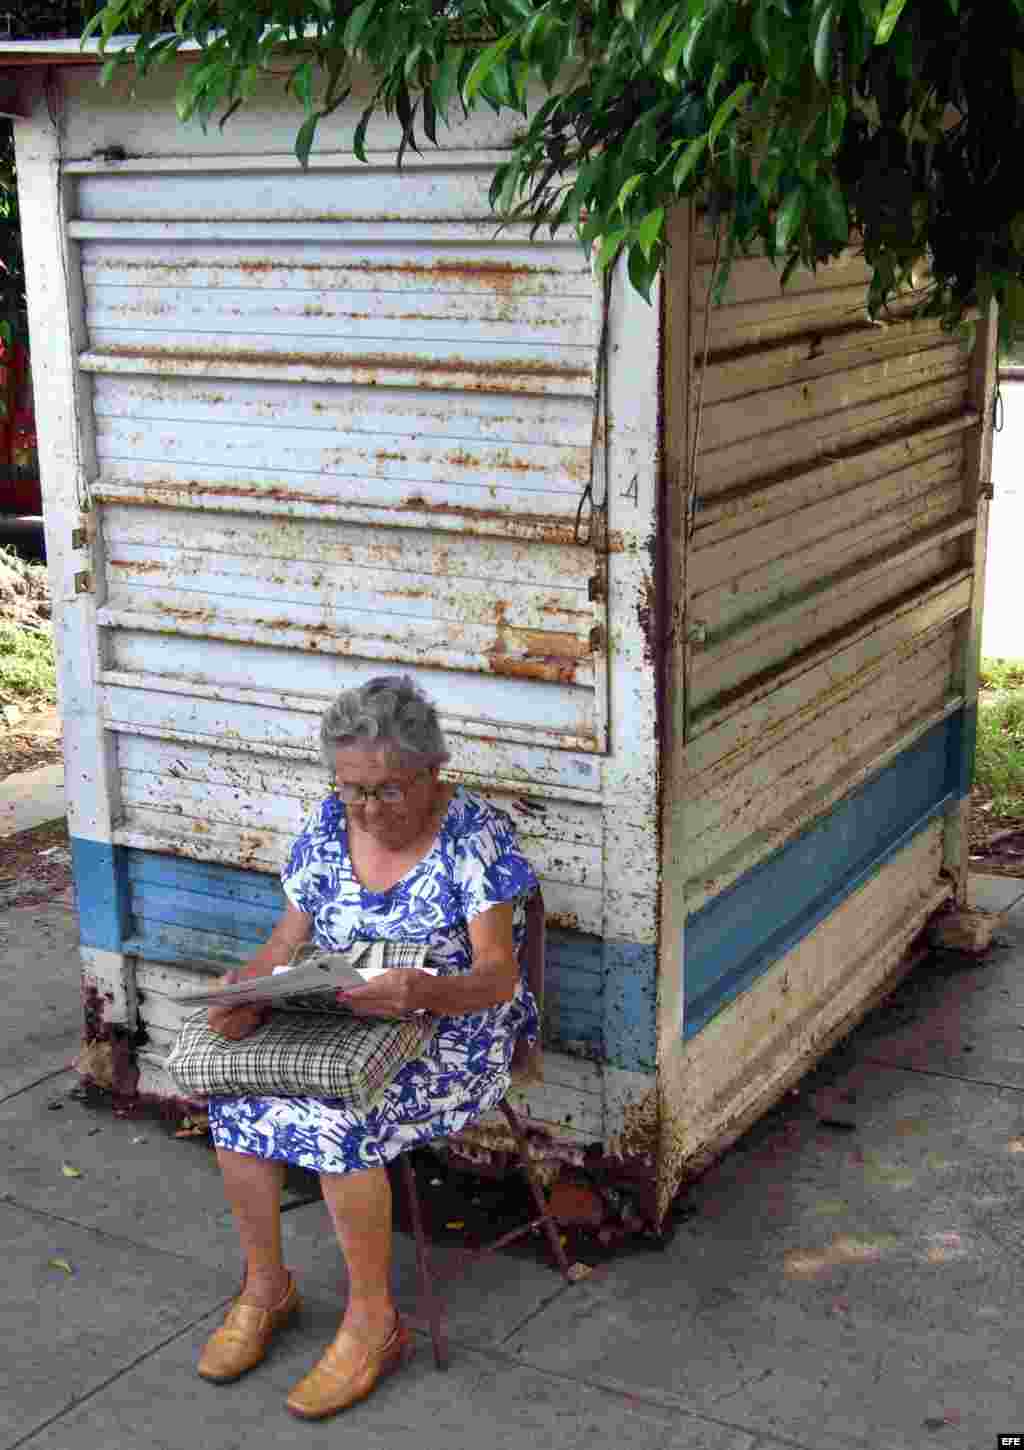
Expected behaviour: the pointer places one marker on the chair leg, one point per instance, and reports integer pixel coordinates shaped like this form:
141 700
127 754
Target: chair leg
430 1300
543 1212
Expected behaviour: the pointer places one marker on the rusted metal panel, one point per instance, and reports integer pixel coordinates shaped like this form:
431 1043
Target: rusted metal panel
717 1083
820 599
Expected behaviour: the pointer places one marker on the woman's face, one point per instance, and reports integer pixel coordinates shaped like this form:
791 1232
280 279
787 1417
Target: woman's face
377 768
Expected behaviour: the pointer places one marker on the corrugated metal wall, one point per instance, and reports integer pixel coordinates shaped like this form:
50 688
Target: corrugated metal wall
820 690
825 574
341 426
303 427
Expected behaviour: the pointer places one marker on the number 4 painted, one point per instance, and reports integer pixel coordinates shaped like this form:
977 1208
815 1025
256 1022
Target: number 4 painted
633 491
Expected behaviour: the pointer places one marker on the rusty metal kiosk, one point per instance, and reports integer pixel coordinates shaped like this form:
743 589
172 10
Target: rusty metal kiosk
709 633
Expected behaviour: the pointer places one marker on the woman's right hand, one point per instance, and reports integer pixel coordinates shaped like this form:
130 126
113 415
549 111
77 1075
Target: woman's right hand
234 1023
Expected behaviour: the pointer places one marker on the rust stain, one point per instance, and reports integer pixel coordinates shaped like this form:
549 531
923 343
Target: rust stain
460 268
534 528
637 1139
136 566
358 362
552 669
563 920
647 617
461 459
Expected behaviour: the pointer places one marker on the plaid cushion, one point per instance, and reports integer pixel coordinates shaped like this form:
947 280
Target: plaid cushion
307 1054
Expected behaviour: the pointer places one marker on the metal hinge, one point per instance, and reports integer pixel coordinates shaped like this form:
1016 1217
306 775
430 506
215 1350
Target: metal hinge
83 582
80 538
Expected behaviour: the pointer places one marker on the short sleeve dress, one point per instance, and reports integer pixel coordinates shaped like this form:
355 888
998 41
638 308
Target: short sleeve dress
475 863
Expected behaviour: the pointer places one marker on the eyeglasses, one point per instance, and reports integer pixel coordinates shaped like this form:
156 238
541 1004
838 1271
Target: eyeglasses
389 794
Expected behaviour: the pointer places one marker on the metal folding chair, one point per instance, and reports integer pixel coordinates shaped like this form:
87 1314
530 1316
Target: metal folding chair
526 1062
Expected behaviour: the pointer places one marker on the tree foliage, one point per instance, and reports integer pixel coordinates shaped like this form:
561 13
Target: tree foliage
800 124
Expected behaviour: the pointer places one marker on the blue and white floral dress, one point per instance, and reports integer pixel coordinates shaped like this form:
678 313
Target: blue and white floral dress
475 863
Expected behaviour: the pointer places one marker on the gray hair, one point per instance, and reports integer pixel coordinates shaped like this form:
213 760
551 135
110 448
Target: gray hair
389 710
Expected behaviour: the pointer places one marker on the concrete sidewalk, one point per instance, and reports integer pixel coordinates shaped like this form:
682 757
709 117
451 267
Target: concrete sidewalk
851 1274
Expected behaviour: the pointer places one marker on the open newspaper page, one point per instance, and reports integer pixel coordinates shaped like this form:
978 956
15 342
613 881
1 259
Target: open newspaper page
311 979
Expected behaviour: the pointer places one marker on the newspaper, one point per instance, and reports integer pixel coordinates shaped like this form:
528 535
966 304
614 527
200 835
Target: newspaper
311 979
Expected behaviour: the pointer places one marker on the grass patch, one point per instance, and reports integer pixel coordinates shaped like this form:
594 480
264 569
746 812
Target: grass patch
999 771
1001 674
28 670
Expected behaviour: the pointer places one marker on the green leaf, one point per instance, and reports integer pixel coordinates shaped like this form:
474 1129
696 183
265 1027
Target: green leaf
830 208
60 1264
429 118
446 82
789 218
69 1171
1017 69
690 52
689 159
670 65
769 174
304 139
302 84
485 63
729 105
184 99
649 230
359 135
609 249
357 23
887 24
659 33
823 47
627 189
642 271
835 121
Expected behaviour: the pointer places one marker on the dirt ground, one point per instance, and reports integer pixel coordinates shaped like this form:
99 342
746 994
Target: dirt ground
35 866
997 842
33 741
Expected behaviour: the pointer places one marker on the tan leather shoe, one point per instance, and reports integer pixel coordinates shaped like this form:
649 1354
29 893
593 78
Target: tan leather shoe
347 1373
243 1339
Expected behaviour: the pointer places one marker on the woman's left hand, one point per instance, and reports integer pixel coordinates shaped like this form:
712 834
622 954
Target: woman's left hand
396 993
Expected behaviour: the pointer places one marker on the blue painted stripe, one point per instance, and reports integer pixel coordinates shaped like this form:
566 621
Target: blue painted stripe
101 893
738 935
599 994
227 915
219 881
630 1006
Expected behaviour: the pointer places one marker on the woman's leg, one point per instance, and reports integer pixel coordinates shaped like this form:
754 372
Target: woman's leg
360 1208
252 1187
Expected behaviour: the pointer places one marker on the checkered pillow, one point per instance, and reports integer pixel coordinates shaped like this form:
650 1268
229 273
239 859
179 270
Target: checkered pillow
298 1054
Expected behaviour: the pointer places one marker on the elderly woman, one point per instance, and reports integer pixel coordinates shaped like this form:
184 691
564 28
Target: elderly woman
392 853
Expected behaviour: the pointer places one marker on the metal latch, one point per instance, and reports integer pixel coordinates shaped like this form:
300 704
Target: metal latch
697 632
79 538
83 582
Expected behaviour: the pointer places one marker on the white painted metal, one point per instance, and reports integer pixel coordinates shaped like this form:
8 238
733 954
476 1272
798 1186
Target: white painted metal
341 425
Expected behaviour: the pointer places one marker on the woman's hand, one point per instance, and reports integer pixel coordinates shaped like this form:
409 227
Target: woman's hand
234 1023
396 993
